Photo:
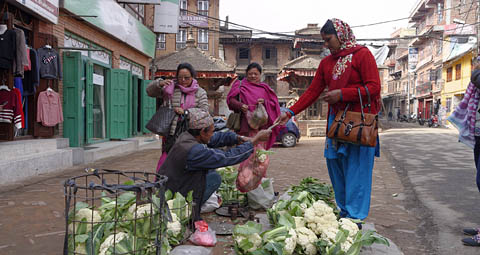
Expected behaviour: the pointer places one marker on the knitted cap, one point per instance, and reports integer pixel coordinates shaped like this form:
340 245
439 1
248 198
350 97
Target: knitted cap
199 118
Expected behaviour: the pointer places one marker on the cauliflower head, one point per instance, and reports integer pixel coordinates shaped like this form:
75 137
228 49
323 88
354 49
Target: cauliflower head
306 238
85 215
255 239
109 241
290 242
349 225
142 210
174 226
299 222
320 218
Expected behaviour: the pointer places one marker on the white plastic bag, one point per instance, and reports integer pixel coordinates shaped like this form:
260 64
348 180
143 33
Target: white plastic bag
211 204
263 196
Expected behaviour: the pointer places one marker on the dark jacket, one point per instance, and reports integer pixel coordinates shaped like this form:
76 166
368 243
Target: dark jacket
475 78
189 161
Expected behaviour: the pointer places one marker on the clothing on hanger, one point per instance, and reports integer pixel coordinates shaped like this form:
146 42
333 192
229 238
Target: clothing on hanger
8 47
20 105
11 112
21 59
49 108
31 78
50 67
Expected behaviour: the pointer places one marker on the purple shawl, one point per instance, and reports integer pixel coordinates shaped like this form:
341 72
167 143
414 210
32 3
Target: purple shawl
249 94
464 116
189 91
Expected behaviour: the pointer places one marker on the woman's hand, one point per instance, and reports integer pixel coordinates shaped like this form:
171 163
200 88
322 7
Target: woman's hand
261 136
260 101
333 96
179 110
244 108
283 118
163 83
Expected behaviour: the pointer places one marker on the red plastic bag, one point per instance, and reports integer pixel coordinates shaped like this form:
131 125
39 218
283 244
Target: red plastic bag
203 236
252 170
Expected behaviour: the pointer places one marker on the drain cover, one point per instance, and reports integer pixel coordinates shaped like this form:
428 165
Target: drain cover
222 228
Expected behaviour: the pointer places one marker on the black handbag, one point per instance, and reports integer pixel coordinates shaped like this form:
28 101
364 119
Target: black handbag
182 126
161 121
234 119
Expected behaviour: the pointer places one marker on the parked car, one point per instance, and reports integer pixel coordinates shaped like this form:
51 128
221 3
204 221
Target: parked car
290 135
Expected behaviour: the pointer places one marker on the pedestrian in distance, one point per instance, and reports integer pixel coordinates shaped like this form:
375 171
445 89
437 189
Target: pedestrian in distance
192 161
475 131
349 67
183 93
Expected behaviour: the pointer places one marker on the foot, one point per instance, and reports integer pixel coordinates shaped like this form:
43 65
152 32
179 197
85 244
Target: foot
472 241
471 231
359 226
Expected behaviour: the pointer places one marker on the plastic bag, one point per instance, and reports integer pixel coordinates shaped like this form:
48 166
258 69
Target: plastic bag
252 170
263 196
190 250
258 118
203 236
211 204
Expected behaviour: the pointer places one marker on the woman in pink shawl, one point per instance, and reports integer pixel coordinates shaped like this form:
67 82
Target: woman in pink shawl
246 94
183 93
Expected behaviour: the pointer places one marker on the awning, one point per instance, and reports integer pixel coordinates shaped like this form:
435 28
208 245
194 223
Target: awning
460 49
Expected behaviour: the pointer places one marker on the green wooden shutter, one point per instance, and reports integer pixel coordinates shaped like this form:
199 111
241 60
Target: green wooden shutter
148 105
129 106
135 104
89 100
117 102
73 127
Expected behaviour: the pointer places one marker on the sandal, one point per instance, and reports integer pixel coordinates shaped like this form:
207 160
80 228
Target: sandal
471 231
473 241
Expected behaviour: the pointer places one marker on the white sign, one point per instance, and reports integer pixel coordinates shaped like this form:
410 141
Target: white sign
137 71
412 59
98 79
124 65
140 1
166 17
70 42
101 56
48 9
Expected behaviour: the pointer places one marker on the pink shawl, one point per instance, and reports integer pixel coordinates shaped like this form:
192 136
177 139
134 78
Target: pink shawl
249 94
186 102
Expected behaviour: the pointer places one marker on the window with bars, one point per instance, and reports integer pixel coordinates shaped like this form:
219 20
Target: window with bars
449 74
203 39
181 39
183 7
161 39
269 56
243 56
458 72
136 10
203 7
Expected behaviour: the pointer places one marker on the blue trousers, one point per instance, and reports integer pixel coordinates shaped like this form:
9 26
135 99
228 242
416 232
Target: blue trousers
350 169
212 184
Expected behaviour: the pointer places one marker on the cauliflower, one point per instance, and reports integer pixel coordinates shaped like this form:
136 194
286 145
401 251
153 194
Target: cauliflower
290 242
173 210
142 210
349 225
85 215
255 239
174 226
320 218
299 222
81 249
307 239
109 242
262 158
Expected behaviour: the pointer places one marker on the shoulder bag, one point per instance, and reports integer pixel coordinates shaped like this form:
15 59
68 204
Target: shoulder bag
355 127
234 119
161 121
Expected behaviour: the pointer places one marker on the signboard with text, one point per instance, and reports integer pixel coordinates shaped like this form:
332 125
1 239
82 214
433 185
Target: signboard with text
47 9
166 17
412 59
195 21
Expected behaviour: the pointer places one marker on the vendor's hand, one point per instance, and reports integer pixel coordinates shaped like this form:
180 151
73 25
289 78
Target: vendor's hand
179 110
260 101
283 118
261 136
241 139
333 96
244 108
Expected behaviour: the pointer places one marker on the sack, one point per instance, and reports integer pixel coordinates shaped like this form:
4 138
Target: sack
263 196
258 118
355 127
161 121
203 236
233 121
252 170
211 204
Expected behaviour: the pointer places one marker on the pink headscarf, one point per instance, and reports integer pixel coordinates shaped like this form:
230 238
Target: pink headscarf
189 101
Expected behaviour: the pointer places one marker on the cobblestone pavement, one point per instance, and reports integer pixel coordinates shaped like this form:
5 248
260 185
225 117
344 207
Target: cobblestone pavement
32 222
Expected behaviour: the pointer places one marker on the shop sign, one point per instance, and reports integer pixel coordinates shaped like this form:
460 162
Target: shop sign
456 29
116 22
98 79
47 9
412 59
70 42
196 21
424 89
166 17
137 71
100 56
124 65
134 68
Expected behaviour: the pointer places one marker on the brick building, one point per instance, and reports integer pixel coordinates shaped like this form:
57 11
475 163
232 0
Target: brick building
201 17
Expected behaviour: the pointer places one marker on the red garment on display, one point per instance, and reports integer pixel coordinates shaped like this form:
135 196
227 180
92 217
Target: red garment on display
11 112
19 99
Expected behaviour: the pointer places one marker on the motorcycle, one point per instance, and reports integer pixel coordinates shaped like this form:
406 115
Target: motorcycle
421 121
412 118
403 118
433 122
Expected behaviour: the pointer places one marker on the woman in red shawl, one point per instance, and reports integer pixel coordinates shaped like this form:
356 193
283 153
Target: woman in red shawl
246 94
350 66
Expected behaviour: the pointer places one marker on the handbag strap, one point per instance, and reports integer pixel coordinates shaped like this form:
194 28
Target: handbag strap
369 105
361 105
239 87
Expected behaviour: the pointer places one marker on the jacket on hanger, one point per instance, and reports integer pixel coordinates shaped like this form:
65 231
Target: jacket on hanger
32 77
12 112
8 47
49 108
21 58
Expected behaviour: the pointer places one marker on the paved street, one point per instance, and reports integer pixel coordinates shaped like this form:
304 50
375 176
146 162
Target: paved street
441 172
424 163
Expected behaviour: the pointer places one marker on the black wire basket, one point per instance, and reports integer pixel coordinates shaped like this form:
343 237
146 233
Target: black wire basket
116 212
